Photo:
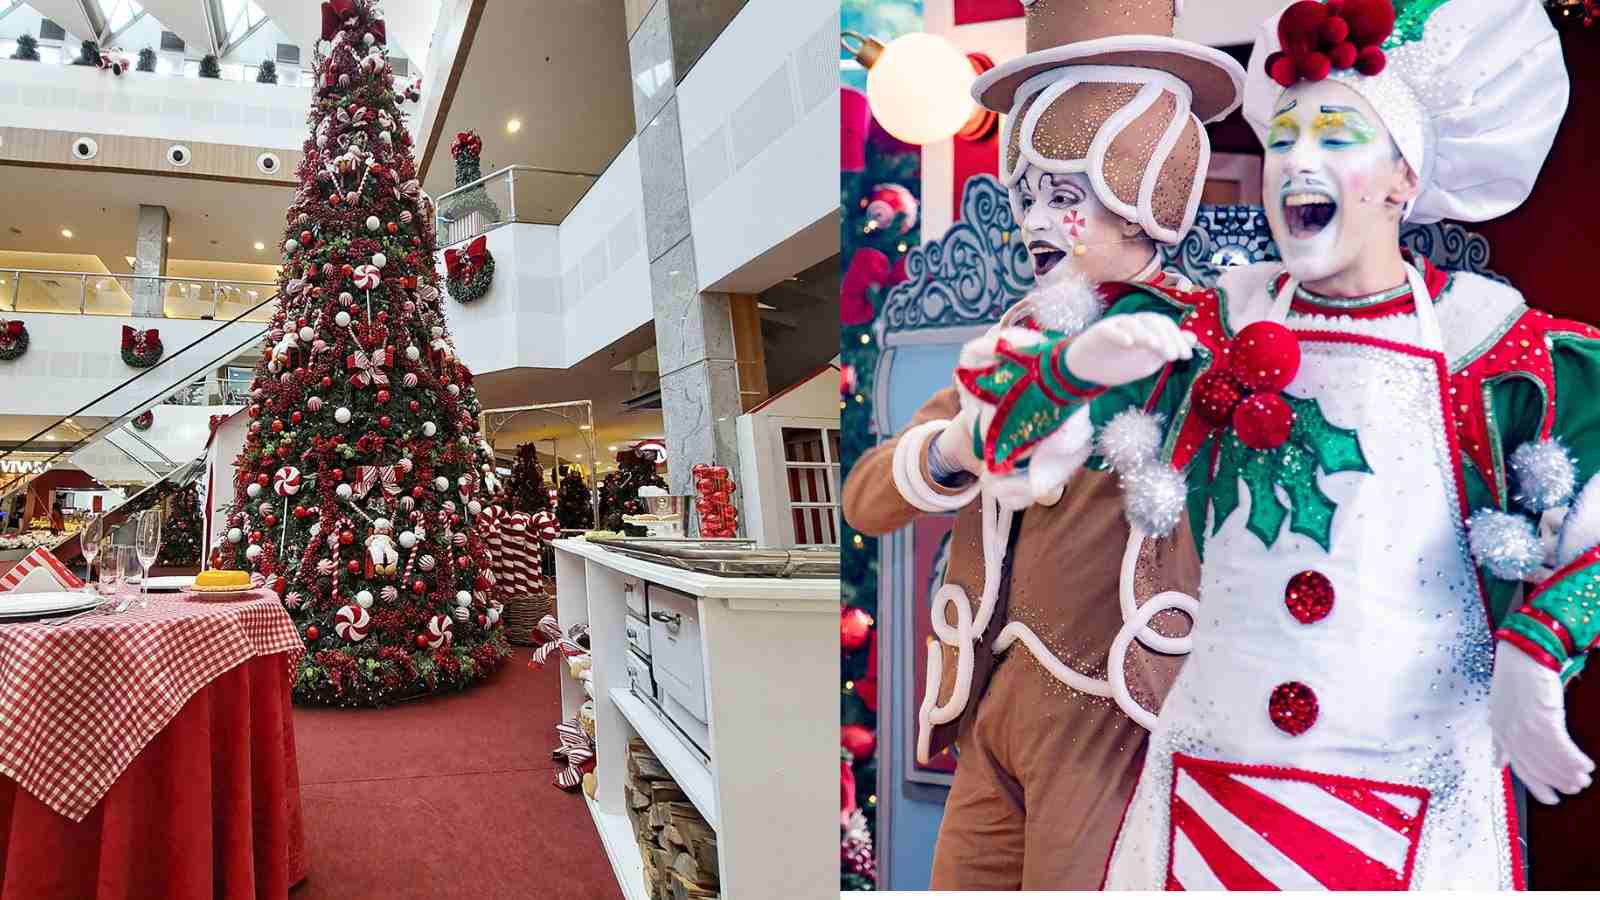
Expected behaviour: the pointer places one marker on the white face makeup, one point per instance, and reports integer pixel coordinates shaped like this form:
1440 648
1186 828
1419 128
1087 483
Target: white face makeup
1330 165
1058 212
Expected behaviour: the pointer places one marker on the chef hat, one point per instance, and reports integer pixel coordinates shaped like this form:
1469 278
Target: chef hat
1471 90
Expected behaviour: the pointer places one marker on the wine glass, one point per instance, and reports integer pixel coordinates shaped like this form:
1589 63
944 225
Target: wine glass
147 545
89 545
110 567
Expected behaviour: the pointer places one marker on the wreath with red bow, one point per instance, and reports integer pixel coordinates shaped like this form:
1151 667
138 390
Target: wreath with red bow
468 272
141 349
13 339
144 420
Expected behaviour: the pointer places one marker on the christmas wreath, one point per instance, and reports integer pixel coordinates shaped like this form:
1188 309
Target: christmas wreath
141 349
13 339
469 272
144 420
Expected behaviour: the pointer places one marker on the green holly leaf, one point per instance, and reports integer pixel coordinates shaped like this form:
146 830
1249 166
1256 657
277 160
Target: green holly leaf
1266 510
1336 449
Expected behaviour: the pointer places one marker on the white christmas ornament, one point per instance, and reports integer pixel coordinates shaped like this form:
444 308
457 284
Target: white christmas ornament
342 319
291 245
235 535
454 389
429 429
252 551
342 415
441 483
438 331
463 598
408 539
364 598
413 353
253 491
373 224
343 491
308 334
379 260
313 403
346 299
474 507
368 39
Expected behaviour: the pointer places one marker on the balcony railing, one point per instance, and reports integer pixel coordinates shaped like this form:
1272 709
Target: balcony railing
528 194
96 294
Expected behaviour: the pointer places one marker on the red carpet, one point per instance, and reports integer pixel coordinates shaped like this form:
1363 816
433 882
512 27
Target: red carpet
447 797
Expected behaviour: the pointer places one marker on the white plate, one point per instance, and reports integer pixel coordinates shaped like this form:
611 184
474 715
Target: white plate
171 582
18 606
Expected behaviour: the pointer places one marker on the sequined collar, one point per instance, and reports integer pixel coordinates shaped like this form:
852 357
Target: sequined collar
1394 301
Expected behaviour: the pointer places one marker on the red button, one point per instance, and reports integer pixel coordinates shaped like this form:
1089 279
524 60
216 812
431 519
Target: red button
1293 707
1309 597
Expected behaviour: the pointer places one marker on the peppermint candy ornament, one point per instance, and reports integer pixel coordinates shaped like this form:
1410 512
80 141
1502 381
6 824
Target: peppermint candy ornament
409 379
286 482
426 562
367 277
351 623
440 630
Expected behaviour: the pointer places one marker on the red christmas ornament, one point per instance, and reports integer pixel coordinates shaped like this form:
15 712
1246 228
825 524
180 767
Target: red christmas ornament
271 520
414 406
1293 707
1263 421
277 425
262 479
336 474
254 411
483 621
312 633
300 512
347 270
327 381
1265 356
1309 597
295 417
347 538
858 740
383 396
1215 394
384 422
305 237
353 567
255 537
461 562
855 627
418 491
422 641
419 586
280 584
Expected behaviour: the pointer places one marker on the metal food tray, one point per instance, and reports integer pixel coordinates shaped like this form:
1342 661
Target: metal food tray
728 558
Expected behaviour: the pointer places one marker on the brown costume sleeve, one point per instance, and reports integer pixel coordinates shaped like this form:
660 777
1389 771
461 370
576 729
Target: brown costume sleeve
872 504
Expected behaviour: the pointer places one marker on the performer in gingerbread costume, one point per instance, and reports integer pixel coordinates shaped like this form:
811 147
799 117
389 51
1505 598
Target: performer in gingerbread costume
1105 157
1378 440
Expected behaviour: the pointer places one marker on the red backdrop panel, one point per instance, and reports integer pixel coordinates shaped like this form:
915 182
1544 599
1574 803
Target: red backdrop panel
971 11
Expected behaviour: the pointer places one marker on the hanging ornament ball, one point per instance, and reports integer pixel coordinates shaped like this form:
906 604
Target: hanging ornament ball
429 429
441 483
409 379
413 352
858 740
235 535
313 403
474 507
454 389
463 598
379 260
1263 421
1215 395
373 224
343 491
254 490
351 197
438 331
252 552
342 415
364 598
346 299
855 626
291 245
353 567
341 319
369 39
1266 356
383 395
312 632
384 422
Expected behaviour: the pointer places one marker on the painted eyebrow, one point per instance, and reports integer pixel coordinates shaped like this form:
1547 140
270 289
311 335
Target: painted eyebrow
1292 105
1342 109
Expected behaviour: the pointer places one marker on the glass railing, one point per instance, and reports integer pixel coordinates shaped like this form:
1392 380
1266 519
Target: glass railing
94 294
169 65
527 194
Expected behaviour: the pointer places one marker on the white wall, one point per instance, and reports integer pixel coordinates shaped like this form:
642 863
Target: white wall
86 100
605 269
759 115
518 322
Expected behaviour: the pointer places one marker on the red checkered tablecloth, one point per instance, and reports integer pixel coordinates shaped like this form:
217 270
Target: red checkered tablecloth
79 701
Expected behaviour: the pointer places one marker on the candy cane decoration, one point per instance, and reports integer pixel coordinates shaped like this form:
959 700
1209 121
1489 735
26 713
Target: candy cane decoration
286 483
339 526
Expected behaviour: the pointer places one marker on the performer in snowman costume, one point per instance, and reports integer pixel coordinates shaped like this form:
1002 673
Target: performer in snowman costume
1048 681
1379 439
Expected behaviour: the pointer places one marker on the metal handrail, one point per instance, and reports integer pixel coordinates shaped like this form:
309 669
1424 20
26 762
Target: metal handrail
133 433
509 174
217 285
514 167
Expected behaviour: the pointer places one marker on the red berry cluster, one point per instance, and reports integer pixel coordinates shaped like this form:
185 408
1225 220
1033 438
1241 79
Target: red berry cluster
1318 38
1246 392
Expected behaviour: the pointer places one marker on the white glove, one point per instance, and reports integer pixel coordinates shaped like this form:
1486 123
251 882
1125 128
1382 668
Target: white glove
1528 719
955 441
1122 349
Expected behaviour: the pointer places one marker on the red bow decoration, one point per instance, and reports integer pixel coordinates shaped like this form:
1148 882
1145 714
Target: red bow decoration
14 328
143 339
368 477
468 142
1318 38
379 34
462 263
334 14
576 750
365 370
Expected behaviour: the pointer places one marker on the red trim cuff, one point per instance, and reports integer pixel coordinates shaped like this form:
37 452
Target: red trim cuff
1551 624
1526 645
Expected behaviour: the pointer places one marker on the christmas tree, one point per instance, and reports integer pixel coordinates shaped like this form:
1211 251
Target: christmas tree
527 492
362 473
180 534
467 149
619 491
575 504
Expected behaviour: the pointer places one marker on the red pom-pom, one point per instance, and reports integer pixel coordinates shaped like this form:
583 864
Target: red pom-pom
1371 61
1215 394
1297 27
858 739
1343 56
1371 21
1284 71
1335 7
855 626
1266 356
1334 31
1315 66
1263 421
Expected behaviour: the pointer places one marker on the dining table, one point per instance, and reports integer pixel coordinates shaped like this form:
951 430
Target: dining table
147 750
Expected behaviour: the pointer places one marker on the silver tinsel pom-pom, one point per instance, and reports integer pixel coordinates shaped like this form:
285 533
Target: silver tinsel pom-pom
1131 439
1153 497
1504 543
1545 474
1068 305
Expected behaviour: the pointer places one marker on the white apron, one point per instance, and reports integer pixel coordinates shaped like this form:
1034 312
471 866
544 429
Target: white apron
1392 785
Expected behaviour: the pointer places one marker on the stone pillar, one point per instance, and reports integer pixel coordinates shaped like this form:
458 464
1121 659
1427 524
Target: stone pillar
150 258
694 330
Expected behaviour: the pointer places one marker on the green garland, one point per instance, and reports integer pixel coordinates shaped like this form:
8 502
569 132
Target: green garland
150 357
474 285
342 678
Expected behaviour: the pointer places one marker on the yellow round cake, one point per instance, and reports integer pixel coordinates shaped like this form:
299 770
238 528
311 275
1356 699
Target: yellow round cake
222 581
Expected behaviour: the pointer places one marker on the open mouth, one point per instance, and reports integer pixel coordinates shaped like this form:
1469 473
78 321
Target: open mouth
1045 257
1308 212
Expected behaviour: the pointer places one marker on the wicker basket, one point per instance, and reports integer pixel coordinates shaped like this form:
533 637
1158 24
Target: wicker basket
522 615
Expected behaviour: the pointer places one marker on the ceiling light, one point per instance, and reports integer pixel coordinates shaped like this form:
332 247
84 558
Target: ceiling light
66 232
169 238
585 427
260 246
513 126
612 448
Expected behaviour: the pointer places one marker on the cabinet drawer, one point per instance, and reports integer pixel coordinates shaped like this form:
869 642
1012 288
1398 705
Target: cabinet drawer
676 657
633 595
638 631
639 677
